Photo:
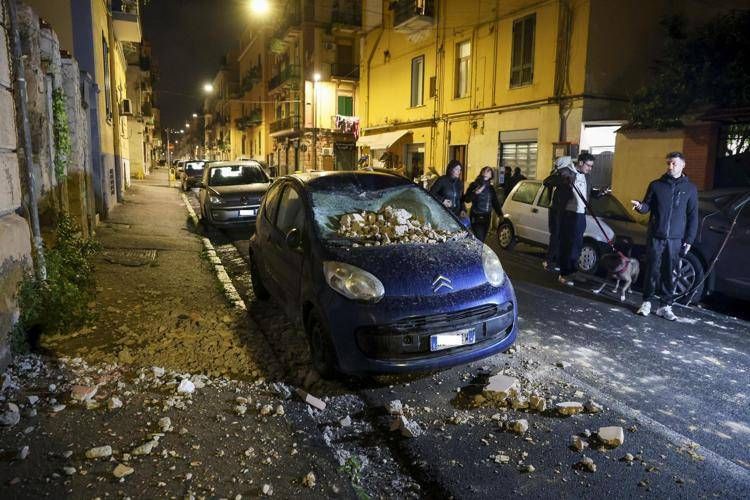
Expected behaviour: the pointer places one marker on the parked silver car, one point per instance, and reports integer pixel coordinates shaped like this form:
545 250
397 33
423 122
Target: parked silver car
230 192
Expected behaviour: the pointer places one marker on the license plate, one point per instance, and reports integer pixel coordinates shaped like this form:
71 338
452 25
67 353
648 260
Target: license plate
453 339
250 211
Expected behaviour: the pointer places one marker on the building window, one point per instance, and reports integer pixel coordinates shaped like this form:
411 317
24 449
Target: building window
346 105
519 154
107 78
522 58
463 68
417 81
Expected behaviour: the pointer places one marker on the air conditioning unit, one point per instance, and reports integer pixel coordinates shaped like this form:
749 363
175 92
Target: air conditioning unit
327 151
126 109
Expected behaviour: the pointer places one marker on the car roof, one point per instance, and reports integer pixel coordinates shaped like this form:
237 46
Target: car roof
338 179
230 163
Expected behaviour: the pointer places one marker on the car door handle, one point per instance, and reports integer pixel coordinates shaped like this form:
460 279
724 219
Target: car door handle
535 210
719 229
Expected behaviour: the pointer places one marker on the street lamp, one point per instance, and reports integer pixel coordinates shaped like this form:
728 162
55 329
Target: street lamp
260 7
316 79
187 125
208 88
195 115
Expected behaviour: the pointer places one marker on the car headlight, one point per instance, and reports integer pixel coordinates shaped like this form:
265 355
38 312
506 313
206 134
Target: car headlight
216 200
493 270
352 282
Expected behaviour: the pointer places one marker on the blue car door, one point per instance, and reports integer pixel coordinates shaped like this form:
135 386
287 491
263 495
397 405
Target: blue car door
265 229
287 259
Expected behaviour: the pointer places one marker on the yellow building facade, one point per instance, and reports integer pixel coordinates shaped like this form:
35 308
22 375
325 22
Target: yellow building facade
490 83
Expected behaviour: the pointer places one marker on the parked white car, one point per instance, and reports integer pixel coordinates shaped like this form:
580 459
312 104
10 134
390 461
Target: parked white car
525 218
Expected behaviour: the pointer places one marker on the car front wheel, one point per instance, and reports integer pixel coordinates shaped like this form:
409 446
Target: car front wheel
689 279
506 236
322 353
589 258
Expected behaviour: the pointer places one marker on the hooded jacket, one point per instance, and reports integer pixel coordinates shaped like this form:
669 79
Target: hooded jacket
673 204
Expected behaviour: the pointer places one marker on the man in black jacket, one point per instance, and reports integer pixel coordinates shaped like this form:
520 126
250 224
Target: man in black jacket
673 202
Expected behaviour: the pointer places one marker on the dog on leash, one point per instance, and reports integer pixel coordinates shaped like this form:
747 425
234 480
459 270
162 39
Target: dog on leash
619 267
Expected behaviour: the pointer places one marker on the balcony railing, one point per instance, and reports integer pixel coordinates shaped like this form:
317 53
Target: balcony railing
289 123
126 20
250 120
290 72
345 71
408 11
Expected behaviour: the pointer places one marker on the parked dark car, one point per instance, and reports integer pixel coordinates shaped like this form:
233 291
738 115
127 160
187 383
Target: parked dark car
731 274
230 192
192 173
391 307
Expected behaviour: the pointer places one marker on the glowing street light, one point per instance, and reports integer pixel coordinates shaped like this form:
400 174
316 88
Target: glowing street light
316 77
195 115
187 125
182 130
208 88
260 7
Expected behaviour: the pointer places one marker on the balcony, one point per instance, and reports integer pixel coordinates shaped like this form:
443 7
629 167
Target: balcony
291 22
126 20
348 17
413 15
285 125
252 119
344 71
289 74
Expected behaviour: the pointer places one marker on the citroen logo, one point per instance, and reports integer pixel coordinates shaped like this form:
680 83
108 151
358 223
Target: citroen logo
441 282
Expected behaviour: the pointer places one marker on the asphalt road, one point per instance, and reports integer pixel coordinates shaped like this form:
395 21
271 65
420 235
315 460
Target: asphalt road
681 389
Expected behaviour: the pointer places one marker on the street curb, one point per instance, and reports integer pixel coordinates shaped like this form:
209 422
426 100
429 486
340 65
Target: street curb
221 274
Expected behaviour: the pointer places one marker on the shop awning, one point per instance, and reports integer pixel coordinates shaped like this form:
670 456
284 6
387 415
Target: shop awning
381 141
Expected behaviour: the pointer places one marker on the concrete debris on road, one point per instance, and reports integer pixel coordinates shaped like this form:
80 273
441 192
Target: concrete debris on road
165 424
563 364
185 387
309 480
311 400
612 436
99 452
346 421
394 407
518 426
578 443
122 470
586 464
267 490
83 393
23 453
527 469
592 406
569 408
408 428
114 403
146 448
502 386
11 416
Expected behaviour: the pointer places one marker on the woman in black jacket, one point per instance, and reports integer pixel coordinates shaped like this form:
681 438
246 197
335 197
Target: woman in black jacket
483 198
449 189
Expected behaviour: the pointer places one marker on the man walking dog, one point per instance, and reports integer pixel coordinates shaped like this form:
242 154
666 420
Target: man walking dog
672 201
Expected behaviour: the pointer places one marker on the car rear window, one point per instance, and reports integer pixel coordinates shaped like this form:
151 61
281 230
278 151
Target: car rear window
526 192
194 166
231 175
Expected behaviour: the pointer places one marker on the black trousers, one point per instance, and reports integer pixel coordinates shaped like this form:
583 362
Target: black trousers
480 224
572 226
554 218
662 256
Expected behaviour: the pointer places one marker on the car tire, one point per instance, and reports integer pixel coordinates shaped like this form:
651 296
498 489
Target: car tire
588 261
506 236
688 274
259 289
322 352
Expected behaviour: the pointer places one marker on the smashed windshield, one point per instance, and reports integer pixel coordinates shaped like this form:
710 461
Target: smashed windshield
401 214
232 175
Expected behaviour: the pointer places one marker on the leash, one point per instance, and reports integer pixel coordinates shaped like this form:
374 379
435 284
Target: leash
599 224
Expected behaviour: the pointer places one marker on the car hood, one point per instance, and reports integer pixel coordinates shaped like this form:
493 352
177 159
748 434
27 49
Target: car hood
632 230
408 270
259 188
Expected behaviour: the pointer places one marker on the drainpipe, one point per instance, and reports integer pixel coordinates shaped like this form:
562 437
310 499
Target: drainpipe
116 125
21 103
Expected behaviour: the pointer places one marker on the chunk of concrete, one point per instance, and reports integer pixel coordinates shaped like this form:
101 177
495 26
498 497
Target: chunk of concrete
611 436
83 392
502 384
578 443
311 400
569 407
518 426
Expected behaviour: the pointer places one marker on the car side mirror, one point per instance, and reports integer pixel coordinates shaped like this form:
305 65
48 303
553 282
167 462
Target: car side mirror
294 238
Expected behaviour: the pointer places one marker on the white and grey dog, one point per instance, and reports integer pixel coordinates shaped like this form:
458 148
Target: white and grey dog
620 268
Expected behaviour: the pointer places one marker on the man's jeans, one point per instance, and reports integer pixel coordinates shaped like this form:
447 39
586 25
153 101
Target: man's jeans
572 228
662 256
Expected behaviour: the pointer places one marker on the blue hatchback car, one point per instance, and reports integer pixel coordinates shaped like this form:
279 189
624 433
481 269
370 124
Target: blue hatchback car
385 306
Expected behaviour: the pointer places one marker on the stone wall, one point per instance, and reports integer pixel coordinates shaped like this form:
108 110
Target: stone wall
15 239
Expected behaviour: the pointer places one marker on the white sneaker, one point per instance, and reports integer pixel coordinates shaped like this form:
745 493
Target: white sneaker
564 281
645 308
666 313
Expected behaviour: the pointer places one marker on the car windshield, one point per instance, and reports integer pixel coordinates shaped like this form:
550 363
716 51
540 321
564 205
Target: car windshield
405 213
232 175
608 207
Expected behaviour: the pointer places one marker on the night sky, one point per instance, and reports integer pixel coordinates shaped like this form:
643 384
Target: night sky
188 39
